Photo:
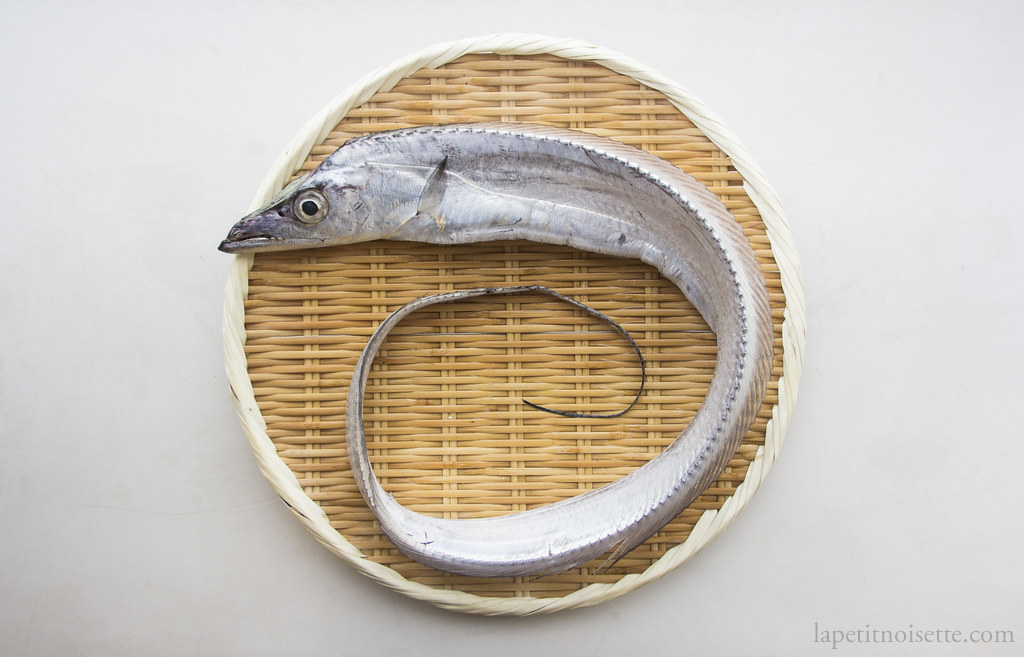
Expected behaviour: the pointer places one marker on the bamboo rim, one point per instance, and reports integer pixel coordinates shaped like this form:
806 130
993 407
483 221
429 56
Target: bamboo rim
711 521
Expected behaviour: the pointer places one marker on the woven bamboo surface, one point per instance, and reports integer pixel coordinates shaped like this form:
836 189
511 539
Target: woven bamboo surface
445 423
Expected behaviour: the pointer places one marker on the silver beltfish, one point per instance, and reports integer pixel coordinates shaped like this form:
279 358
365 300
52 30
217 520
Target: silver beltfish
500 181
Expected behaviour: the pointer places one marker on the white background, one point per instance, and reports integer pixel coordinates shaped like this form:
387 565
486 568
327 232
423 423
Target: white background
134 518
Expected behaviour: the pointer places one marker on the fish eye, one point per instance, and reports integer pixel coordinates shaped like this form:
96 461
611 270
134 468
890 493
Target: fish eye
310 206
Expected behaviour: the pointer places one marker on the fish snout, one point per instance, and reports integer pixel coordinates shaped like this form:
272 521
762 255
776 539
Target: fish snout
238 233
251 232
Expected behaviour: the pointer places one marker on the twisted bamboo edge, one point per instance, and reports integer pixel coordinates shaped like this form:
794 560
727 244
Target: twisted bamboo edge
711 522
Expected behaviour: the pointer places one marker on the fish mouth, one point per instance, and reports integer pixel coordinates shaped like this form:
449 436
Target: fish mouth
257 243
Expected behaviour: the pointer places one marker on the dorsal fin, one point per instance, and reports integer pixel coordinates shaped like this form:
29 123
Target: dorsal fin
433 191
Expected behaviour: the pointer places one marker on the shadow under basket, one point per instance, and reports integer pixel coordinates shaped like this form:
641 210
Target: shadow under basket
447 429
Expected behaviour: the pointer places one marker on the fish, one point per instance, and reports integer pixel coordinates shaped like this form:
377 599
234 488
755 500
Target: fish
475 182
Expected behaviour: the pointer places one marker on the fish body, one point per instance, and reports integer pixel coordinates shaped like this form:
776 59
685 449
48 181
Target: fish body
481 182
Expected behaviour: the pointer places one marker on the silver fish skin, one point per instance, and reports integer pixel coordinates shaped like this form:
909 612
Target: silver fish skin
500 181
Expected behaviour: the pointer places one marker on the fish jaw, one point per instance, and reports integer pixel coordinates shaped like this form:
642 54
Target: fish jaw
260 231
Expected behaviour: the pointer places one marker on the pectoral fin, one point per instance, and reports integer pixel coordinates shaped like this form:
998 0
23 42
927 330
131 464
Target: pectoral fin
433 191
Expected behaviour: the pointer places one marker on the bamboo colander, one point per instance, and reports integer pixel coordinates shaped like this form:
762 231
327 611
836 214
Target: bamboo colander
445 421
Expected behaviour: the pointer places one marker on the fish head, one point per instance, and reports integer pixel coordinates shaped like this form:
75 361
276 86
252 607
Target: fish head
338 203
